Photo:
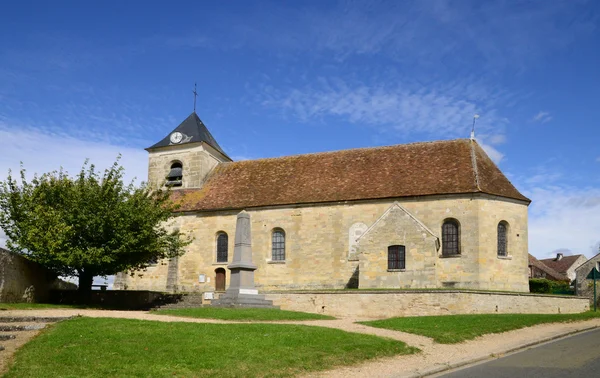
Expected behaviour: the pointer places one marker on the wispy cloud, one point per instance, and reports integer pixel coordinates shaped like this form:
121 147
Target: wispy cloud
443 110
490 33
542 117
563 217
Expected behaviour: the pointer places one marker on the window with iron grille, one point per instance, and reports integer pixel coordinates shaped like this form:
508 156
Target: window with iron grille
450 238
396 257
278 245
502 239
222 241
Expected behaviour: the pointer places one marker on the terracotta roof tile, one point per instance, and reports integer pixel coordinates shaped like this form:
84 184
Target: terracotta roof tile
550 273
418 169
563 264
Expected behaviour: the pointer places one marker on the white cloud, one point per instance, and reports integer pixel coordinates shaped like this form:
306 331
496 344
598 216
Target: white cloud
443 110
41 153
542 117
564 218
493 153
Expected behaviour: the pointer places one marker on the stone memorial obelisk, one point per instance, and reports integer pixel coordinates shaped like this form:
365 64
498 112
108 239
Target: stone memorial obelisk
241 291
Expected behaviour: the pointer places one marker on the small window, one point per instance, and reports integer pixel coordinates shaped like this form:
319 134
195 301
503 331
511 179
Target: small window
175 176
278 245
222 245
450 238
396 257
502 239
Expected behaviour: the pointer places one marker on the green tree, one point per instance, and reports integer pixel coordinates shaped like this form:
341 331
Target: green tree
88 225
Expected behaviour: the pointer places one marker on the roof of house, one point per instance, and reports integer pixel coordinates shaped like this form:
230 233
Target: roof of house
563 264
550 273
418 169
194 131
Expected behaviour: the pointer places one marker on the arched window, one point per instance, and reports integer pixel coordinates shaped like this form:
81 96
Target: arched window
222 242
278 245
503 239
396 257
175 176
450 237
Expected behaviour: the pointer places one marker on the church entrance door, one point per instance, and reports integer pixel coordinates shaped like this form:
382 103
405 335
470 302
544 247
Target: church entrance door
220 279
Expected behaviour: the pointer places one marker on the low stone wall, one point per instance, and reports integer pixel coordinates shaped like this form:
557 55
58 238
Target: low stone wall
386 304
22 280
117 299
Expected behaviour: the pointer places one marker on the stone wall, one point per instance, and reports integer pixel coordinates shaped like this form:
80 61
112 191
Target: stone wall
383 304
320 254
22 280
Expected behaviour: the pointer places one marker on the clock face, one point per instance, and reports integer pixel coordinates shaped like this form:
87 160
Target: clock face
176 137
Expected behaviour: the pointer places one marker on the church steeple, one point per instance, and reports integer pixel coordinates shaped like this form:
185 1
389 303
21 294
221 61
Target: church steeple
191 130
184 158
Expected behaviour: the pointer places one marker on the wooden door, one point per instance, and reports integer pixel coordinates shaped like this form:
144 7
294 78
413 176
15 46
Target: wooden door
220 279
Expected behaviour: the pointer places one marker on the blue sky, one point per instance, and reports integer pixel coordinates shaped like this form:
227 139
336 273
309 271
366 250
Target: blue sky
94 79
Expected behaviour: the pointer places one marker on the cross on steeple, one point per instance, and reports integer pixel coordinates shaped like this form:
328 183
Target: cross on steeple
195 95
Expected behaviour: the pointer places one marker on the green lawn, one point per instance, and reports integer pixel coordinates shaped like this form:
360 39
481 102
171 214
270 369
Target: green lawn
101 347
457 328
250 314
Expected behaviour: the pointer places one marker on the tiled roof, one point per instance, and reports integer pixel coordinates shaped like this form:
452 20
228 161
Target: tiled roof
419 169
550 273
563 264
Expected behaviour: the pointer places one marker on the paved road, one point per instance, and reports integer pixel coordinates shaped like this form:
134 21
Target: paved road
576 356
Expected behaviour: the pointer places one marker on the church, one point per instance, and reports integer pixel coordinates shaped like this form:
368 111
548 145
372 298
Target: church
420 216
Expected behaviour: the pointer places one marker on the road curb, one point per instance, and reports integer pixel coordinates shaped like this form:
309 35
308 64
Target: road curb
463 363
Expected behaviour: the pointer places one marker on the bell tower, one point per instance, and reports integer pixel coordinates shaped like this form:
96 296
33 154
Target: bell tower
183 158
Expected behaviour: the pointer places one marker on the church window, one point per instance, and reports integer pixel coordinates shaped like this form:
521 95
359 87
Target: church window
278 245
396 257
175 176
503 239
450 238
222 241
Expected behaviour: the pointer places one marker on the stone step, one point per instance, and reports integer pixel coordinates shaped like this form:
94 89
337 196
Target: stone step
7 337
17 328
32 319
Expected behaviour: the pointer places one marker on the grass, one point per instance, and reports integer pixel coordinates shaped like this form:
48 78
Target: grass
250 314
452 329
102 347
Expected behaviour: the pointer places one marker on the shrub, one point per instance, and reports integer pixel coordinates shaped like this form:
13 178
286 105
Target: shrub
540 285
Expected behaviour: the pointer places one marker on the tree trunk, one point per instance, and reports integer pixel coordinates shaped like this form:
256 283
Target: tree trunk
85 286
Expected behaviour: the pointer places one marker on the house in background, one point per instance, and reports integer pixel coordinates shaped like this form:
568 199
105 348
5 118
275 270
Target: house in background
565 264
537 269
583 285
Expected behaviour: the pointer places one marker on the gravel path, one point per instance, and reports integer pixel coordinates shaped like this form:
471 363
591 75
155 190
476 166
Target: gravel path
433 356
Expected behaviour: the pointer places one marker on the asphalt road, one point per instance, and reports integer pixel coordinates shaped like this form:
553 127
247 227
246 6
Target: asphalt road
574 357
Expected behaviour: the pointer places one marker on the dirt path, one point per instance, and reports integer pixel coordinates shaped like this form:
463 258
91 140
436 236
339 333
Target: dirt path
433 356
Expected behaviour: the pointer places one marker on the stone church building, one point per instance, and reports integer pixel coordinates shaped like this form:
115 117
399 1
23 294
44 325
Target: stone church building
422 215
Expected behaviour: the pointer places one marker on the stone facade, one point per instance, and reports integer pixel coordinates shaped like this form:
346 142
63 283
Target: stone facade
583 286
335 244
22 280
319 254
383 304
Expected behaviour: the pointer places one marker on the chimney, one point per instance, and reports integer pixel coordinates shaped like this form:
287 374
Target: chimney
559 256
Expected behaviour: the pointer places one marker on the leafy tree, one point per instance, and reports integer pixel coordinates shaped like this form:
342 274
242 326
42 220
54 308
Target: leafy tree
88 225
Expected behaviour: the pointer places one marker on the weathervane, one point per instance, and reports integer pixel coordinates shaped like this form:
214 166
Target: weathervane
195 95
473 128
